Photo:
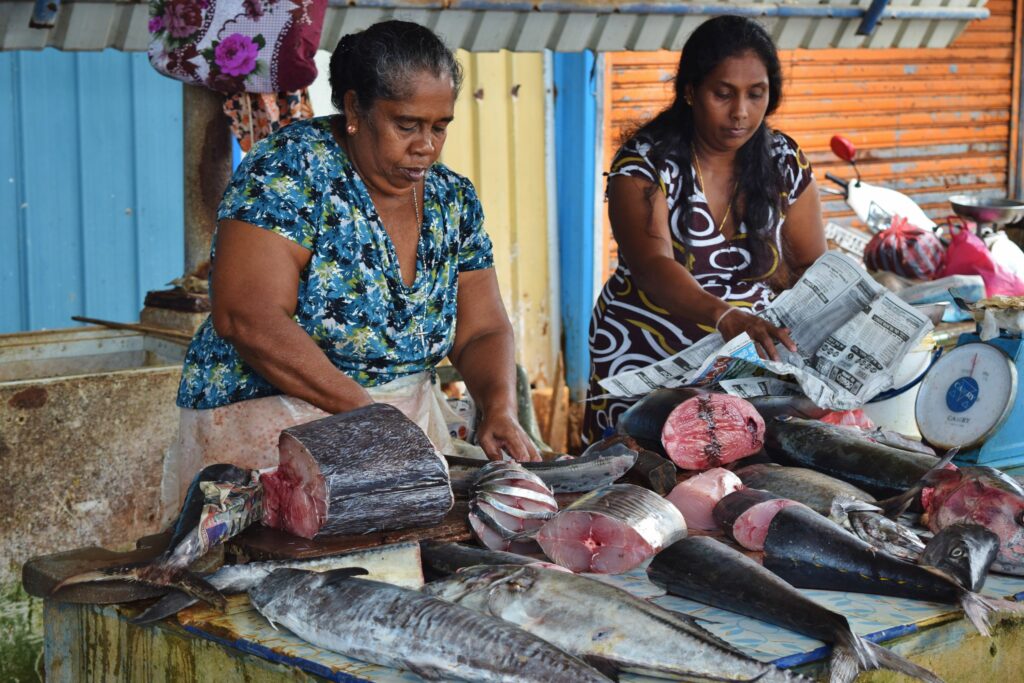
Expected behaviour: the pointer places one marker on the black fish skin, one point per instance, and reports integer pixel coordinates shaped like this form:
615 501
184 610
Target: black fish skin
731 506
810 551
442 559
880 470
804 485
645 419
964 551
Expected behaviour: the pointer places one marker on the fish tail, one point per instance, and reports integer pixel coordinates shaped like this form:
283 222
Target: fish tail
887 659
979 608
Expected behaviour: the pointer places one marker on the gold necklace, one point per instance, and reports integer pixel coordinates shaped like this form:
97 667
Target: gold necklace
707 197
416 208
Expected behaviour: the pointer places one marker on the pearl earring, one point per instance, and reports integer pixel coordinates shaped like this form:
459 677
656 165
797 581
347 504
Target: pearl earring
351 129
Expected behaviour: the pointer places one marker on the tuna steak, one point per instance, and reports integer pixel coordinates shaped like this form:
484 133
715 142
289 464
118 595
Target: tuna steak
745 515
979 495
392 626
508 507
697 496
596 621
703 569
711 430
611 530
369 469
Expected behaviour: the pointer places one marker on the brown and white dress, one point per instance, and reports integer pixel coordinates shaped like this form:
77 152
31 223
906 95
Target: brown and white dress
627 330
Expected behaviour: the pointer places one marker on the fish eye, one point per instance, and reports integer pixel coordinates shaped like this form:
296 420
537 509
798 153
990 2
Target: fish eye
957 552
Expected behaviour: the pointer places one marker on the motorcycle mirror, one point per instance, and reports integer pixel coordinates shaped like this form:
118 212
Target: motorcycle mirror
843 148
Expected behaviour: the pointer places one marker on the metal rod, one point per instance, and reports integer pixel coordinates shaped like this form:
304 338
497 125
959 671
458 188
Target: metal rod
136 327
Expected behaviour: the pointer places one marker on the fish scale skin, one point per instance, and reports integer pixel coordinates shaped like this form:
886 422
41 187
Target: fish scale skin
590 618
392 626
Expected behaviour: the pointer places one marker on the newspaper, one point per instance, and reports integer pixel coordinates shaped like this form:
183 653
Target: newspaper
851 334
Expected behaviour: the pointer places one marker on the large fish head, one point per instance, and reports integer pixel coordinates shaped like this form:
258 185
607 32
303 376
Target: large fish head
979 499
964 551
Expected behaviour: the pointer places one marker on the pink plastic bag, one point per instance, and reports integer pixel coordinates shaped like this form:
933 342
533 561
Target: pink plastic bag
968 255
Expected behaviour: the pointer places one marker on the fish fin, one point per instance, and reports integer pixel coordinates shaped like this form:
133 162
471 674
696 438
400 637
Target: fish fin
604 666
978 608
887 659
200 588
167 606
338 575
896 506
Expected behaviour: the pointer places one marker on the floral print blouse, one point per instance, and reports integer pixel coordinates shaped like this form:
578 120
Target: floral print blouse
298 183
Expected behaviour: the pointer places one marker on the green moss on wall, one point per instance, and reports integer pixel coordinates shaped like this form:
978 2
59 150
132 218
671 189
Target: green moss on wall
21 635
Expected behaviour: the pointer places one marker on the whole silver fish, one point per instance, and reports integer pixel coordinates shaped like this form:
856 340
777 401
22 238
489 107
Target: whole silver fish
392 626
239 578
964 551
869 523
599 622
601 464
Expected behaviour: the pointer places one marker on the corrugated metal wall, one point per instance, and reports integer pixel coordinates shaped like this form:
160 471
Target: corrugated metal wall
91 191
929 122
497 141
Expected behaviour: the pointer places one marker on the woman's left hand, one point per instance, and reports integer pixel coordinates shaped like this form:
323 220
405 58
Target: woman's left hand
500 433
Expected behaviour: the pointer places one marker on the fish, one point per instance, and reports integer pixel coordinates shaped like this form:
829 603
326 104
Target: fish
964 551
810 487
508 507
380 563
880 470
897 440
870 524
195 499
392 626
811 551
711 430
228 509
602 623
771 407
602 463
611 530
645 419
979 495
706 570
442 558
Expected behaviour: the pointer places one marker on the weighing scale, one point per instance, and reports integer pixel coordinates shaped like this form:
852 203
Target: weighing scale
970 397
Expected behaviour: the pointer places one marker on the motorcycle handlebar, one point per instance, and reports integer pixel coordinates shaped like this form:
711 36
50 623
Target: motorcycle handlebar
838 181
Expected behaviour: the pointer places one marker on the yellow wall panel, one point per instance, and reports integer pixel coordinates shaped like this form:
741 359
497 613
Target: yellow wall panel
497 141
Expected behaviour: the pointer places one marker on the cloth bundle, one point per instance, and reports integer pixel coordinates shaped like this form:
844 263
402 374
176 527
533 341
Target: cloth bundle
906 250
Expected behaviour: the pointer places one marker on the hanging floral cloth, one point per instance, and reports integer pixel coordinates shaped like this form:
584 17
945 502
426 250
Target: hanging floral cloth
256 46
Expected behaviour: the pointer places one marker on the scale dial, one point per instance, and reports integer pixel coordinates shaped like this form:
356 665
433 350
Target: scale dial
966 396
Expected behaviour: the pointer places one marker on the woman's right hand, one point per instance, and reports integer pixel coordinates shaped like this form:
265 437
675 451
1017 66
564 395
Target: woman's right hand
735 321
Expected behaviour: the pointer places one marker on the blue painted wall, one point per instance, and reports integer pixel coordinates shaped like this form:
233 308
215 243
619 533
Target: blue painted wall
91 214
575 146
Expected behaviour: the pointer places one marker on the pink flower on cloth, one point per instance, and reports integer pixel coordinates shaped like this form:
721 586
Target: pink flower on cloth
182 18
236 55
156 24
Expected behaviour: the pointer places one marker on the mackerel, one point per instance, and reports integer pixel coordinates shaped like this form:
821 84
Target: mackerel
602 623
397 627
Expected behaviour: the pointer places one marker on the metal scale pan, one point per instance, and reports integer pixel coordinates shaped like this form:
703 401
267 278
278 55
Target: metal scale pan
989 211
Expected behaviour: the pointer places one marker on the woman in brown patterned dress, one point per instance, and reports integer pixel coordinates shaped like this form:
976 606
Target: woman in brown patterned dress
713 212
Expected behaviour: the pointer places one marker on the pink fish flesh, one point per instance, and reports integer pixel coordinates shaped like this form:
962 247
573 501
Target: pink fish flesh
710 430
697 496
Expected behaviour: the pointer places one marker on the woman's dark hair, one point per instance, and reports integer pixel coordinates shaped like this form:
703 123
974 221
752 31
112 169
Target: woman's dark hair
381 62
671 132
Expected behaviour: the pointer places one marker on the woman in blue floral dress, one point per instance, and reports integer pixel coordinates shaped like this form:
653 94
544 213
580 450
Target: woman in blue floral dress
347 264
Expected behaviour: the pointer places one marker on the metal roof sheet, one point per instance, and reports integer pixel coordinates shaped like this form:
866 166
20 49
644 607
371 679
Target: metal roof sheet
563 25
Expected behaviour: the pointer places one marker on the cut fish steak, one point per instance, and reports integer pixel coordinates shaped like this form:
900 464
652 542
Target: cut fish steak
611 530
710 430
697 496
508 507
